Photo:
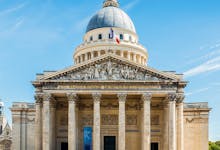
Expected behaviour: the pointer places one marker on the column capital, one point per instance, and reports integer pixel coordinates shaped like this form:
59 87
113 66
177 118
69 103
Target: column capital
180 97
122 97
38 98
96 97
146 97
171 97
47 96
72 97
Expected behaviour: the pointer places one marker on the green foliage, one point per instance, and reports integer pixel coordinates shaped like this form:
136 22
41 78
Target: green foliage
214 145
217 143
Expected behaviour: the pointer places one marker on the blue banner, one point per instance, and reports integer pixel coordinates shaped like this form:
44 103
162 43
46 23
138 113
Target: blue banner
87 138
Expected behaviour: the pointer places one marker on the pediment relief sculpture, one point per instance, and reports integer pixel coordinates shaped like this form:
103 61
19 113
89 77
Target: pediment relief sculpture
109 70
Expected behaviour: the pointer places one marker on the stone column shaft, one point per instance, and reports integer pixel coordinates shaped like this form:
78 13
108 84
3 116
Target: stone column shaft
72 97
146 131
96 121
180 123
53 125
38 123
46 122
129 55
172 121
135 58
121 121
166 127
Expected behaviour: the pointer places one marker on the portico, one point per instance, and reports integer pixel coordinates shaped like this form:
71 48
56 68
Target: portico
111 112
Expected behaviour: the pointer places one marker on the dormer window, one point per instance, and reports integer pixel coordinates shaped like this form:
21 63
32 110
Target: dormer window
100 36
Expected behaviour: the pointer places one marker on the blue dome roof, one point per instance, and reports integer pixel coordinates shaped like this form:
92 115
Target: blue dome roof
111 17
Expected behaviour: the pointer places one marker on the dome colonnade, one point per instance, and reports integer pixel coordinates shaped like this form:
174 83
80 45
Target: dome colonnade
97 40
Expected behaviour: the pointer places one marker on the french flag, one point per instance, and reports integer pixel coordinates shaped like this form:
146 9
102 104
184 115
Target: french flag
113 36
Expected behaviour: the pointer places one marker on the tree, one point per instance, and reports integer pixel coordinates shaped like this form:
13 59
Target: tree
214 146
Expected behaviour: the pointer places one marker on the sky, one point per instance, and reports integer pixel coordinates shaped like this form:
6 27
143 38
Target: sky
181 36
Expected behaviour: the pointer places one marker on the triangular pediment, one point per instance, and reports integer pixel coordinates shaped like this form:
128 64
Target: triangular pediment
108 68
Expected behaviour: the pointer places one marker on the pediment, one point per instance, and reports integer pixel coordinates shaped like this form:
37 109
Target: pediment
110 68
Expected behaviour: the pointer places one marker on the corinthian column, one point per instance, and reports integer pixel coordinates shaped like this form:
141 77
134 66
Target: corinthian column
38 122
46 122
121 121
72 98
146 131
96 121
180 128
165 125
172 120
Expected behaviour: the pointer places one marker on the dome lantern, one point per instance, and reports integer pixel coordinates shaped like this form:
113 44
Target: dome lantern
108 3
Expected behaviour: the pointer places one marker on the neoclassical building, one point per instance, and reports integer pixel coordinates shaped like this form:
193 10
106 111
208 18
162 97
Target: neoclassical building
110 99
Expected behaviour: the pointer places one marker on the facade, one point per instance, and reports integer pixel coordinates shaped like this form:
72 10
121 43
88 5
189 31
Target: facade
110 99
5 131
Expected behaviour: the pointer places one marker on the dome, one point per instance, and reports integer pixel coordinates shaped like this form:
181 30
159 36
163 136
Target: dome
111 17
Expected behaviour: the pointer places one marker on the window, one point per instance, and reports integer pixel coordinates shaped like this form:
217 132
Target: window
130 39
121 36
100 36
91 38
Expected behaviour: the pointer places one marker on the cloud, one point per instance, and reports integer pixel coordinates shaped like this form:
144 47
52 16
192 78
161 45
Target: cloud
197 91
13 9
210 65
130 5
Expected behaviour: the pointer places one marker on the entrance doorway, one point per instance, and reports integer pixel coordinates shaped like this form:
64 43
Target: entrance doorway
154 146
64 146
109 143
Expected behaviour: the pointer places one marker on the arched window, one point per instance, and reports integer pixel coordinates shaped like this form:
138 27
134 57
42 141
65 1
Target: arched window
100 36
91 38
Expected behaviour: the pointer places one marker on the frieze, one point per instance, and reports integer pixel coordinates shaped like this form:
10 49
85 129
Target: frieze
109 70
196 120
109 105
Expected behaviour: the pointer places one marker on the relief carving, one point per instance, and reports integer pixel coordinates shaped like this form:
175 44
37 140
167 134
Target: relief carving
64 120
109 119
131 119
108 71
196 120
155 120
87 120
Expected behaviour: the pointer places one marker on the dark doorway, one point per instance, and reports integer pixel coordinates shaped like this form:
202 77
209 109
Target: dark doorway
64 146
154 146
109 143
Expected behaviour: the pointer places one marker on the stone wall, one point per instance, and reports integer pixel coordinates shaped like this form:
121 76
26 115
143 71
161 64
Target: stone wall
23 123
196 116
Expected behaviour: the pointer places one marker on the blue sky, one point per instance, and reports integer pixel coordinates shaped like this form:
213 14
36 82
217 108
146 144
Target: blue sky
184 36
